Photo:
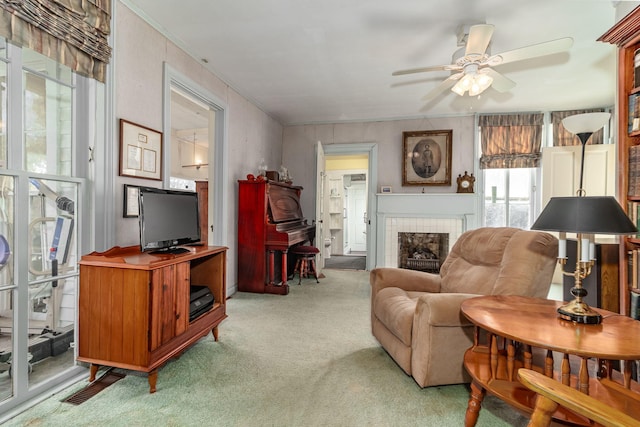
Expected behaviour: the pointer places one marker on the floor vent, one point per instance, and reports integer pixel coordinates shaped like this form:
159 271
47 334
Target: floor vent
94 388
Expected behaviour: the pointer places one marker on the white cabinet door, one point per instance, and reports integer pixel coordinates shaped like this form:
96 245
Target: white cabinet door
561 171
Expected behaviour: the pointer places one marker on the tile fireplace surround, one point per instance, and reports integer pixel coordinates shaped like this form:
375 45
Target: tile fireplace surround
421 213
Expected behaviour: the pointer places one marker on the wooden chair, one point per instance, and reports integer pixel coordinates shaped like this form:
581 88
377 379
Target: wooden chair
552 393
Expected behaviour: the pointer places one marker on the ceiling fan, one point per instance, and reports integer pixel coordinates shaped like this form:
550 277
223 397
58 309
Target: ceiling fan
473 70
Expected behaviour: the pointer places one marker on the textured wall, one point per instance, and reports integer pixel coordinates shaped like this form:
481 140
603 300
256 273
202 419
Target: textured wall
252 134
299 151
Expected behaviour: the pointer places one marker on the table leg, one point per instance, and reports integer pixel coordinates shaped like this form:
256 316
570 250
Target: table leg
214 331
626 370
528 356
493 356
583 376
548 364
543 411
93 370
153 379
475 404
511 358
565 370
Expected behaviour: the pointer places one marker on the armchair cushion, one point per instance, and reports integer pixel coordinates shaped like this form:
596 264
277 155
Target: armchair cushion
409 280
395 308
441 310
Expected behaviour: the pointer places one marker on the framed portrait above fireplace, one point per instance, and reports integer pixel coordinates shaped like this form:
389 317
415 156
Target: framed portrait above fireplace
426 157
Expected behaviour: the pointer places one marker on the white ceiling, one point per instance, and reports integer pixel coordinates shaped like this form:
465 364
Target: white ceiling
316 61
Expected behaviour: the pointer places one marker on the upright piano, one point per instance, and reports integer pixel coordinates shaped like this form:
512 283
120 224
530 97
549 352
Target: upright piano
270 223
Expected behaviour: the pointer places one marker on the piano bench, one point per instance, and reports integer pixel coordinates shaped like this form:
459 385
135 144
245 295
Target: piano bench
305 262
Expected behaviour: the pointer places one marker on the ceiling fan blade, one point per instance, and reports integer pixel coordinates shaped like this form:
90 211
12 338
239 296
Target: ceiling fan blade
500 82
479 38
444 85
449 67
532 51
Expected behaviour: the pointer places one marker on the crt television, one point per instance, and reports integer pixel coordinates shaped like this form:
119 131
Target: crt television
168 219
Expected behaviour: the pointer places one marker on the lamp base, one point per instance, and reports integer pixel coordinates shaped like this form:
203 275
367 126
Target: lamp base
579 312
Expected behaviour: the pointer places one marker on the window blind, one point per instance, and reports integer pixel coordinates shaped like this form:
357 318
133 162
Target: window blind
71 32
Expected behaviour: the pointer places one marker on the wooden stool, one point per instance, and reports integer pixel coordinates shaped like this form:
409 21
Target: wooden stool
305 262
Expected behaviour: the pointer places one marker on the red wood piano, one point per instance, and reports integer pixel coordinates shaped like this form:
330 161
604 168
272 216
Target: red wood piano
270 222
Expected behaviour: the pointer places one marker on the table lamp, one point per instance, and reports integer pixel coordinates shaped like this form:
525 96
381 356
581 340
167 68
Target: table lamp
585 216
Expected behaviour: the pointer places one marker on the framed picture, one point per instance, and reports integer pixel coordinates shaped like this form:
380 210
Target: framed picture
426 157
130 204
385 189
140 151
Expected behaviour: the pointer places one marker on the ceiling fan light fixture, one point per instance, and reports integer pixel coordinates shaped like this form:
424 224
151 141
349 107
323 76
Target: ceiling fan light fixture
474 83
463 85
480 83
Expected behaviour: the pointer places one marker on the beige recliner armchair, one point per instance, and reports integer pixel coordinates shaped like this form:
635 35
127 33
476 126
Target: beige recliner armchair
416 316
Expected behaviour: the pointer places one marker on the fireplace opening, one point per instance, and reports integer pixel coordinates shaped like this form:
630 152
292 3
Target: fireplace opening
422 251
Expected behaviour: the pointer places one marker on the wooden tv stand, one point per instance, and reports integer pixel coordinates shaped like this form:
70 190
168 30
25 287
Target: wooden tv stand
134 306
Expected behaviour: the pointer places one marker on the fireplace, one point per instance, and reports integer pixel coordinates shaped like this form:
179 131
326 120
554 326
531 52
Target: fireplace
422 251
452 214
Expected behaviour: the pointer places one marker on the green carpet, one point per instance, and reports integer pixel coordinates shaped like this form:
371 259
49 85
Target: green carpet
305 359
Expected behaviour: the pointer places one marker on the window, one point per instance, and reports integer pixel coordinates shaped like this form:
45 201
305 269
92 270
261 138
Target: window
41 220
509 197
511 152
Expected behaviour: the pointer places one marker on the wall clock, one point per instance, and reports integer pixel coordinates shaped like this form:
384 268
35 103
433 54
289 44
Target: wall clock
465 183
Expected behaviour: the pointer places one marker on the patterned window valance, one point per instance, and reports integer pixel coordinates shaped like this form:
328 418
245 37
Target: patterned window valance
71 32
562 137
511 140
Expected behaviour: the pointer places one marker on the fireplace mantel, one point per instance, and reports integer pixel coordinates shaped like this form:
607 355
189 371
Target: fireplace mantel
421 212
427 204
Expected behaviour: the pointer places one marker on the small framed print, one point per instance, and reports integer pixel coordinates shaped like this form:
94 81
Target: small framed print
385 189
130 204
140 151
426 157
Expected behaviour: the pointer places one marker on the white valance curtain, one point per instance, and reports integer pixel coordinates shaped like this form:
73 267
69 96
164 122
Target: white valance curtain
71 32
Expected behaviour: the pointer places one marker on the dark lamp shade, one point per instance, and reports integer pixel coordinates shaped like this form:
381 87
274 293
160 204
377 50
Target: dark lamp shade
593 215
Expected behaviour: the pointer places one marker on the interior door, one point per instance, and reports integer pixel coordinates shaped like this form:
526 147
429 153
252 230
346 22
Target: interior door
358 215
320 179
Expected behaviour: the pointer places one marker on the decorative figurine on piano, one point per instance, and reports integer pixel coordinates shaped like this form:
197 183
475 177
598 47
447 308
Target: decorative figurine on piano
262 168
284 175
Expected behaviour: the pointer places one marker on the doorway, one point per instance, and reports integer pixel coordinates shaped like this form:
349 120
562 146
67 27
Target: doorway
368 150
345 238
196 122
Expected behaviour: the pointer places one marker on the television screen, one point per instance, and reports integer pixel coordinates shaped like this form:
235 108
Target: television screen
168 218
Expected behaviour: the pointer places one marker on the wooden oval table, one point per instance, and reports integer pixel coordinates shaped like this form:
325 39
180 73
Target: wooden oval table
512 332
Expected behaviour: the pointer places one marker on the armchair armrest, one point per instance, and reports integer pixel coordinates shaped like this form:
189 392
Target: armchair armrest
442 309
409 280
552 393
